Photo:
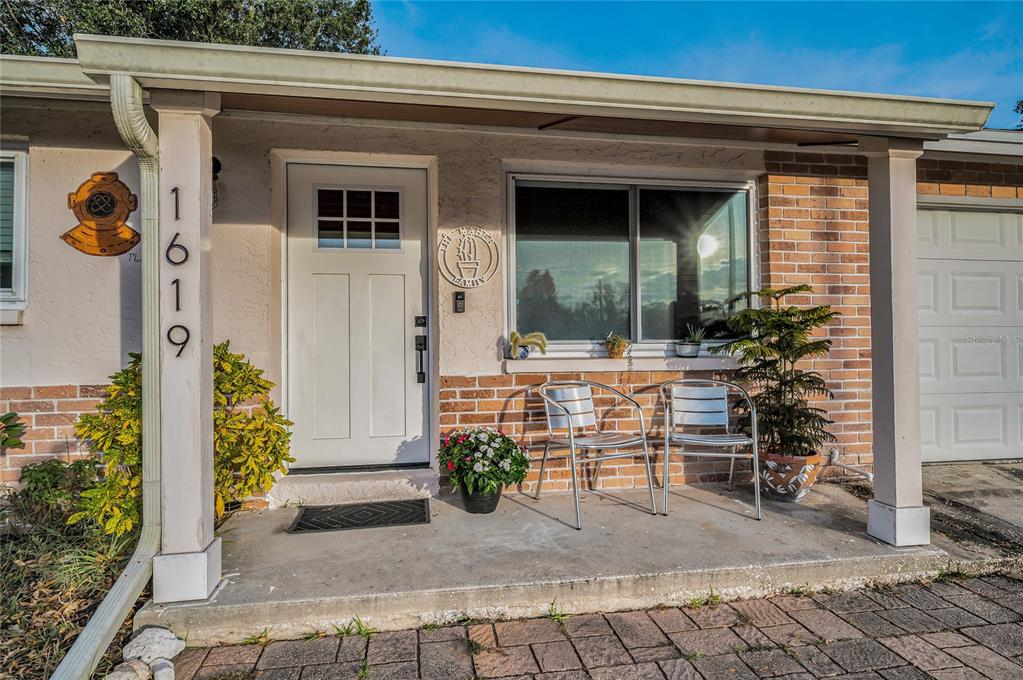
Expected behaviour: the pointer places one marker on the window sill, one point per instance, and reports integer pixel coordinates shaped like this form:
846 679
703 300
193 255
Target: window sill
11 317
549 364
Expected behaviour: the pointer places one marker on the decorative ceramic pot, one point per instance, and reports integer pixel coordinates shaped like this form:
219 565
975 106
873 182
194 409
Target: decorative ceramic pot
687 349
788 478
479 503
523 353
616 351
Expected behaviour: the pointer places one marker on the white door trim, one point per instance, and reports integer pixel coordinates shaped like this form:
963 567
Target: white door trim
279 161
969 203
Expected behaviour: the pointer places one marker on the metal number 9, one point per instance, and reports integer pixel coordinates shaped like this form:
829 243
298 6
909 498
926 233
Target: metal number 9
183 334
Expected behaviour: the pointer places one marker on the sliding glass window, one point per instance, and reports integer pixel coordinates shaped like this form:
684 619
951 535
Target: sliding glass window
643 262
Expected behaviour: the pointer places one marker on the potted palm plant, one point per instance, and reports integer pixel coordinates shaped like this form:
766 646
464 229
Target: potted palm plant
690 345
774 342
480 462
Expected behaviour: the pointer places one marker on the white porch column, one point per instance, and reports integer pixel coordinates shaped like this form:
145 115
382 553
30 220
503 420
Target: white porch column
188 566
896 514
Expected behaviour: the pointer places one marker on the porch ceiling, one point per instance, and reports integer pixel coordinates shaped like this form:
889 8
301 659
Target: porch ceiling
525 97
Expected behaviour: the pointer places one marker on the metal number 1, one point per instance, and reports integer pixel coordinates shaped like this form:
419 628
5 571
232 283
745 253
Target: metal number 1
177 294
176 191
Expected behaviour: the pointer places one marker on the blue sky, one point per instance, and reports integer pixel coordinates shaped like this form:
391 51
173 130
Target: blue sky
967 50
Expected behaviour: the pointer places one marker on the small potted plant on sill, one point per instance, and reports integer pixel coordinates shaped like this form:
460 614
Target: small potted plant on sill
774 342
520 346
616 345
690 345
480 462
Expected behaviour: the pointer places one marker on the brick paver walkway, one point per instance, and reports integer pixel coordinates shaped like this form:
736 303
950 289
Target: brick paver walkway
946 630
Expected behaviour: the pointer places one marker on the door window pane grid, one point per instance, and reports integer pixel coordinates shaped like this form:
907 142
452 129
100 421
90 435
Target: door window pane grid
358 219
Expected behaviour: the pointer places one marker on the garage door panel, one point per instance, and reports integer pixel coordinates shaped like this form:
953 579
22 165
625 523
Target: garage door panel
955 360
970 235
969 293
971 426
970 298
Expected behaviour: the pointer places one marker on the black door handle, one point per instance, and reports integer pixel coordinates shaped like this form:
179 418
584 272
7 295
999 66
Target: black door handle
420 362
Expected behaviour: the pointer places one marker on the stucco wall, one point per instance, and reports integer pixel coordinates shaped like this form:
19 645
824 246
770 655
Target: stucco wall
470 187
82 316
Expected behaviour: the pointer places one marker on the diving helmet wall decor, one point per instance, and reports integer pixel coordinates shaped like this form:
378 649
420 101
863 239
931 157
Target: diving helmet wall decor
102 204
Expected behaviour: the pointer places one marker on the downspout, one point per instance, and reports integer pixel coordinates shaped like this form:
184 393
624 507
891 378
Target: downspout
83 657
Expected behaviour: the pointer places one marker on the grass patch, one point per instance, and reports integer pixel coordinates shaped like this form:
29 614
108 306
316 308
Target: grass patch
53 576
799 591
260 638
711 600
362 629
954 572
556 613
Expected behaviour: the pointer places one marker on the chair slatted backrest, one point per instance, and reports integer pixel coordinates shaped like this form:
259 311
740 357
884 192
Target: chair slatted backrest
577 400
699 406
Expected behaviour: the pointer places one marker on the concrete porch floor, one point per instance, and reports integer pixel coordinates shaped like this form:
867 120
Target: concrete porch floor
515 562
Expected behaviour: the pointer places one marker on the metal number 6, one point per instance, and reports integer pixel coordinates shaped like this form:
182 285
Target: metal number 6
176 253
180 344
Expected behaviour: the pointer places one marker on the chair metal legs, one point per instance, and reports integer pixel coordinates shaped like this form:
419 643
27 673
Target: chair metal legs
543 464
665 483
756 477
731 474
649 477
575 490
595 479
596 476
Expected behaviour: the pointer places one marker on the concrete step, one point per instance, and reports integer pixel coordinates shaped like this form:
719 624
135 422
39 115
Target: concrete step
353 487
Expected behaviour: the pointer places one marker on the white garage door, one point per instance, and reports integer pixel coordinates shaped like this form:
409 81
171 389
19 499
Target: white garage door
971 334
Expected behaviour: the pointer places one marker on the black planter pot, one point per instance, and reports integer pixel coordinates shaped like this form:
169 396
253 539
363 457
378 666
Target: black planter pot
478 503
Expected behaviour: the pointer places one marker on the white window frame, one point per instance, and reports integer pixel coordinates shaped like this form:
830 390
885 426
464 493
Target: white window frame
16 297
596 349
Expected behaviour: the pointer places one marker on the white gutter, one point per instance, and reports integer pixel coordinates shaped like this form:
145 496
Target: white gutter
48 77
1004 146
296 73
92 642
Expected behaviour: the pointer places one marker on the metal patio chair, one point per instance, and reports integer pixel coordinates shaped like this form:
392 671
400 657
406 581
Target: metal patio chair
572 424
704 403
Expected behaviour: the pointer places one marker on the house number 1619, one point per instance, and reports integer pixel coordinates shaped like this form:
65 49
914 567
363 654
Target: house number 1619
176 255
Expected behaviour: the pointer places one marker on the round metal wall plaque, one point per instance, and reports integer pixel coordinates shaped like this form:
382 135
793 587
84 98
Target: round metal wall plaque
102 204
469 256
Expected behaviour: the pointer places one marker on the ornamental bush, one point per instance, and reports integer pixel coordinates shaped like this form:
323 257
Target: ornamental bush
482 460
249 444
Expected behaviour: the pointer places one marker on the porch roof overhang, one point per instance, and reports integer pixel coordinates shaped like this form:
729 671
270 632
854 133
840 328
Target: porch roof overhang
295 81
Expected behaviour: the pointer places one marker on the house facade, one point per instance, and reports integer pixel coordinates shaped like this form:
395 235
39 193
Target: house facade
369 230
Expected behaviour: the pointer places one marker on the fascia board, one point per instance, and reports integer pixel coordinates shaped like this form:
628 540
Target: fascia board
234 68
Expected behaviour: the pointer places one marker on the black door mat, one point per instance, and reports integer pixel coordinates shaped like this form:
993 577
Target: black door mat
361 516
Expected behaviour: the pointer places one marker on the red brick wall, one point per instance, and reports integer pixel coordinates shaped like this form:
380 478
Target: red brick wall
511 404
960 178
50 413
814 229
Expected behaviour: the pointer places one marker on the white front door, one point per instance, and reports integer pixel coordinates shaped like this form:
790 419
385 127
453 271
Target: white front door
357 262
970 270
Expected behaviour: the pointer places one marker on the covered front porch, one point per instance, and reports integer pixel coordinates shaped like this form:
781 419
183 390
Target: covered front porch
516 563
528 557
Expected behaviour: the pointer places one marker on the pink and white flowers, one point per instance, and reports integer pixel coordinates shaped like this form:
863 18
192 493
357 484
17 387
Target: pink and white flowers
482 460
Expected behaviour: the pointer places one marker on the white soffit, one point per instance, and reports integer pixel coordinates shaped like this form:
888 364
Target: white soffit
297 73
